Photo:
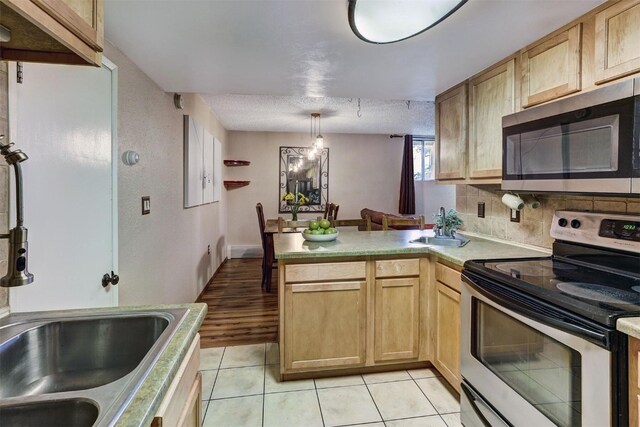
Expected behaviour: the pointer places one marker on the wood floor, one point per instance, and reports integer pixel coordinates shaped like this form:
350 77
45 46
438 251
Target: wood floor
240 312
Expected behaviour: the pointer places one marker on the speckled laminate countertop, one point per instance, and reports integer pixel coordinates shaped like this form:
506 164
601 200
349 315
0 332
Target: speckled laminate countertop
370 243
146 401
630 326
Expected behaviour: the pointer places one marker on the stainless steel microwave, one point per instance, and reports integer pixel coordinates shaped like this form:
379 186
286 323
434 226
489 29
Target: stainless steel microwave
588 143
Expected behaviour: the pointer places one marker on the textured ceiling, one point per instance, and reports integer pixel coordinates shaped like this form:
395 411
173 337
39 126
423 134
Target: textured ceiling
305 48
338 115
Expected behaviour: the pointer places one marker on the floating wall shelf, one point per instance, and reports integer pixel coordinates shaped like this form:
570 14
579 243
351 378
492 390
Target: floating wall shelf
237 162
235 184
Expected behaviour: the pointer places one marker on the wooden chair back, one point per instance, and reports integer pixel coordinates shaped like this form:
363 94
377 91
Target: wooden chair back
331 211
261 222
362 224
388 221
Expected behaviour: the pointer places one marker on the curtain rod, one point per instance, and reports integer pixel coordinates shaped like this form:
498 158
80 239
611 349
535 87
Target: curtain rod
396 135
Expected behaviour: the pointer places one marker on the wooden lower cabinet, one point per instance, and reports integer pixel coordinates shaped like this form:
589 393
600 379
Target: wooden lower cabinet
634 382
325 325
397 314
182 405
447 355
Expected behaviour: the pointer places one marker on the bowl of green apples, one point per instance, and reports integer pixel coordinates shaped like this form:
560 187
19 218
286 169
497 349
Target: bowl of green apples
320 231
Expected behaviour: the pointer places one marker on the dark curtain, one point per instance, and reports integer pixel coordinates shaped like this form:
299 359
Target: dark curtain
407 189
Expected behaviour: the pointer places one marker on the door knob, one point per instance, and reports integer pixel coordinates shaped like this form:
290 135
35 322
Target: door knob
112 279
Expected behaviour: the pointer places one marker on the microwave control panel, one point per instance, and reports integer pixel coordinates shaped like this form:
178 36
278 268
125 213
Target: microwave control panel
609 230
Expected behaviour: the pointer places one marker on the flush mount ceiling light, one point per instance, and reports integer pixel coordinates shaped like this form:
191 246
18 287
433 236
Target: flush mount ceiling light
389 21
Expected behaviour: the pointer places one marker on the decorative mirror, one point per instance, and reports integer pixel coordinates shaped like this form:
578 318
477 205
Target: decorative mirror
300 174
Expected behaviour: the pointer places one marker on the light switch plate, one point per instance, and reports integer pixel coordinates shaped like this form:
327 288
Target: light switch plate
146 205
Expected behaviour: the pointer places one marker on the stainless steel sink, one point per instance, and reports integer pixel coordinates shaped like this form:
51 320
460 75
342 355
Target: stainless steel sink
76 355
89 364
68 413
442 241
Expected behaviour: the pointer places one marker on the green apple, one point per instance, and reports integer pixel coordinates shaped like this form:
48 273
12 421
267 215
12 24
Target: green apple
307 231
313 225
316 231
330 230
324 223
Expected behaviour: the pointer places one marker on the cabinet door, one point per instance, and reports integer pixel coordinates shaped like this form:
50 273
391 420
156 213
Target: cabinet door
396 318
451 133
325 325
492 95
447 354
551 69
634 382
82 17
617 41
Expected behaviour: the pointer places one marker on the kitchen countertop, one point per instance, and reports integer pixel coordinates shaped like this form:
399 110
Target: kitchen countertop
394 242
146 401
630 326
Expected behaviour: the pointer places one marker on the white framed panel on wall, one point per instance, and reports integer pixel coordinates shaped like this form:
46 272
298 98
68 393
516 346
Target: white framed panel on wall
217 170
202 174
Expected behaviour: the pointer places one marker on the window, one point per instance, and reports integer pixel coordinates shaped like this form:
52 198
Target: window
423 158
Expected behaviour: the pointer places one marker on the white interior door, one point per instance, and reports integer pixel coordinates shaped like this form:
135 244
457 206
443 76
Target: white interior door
63 118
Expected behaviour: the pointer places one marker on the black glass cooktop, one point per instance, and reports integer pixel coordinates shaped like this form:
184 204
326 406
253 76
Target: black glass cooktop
594 293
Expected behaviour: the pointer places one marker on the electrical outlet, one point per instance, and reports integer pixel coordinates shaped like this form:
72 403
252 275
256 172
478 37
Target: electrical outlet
209 249
146 205
515 215
481 209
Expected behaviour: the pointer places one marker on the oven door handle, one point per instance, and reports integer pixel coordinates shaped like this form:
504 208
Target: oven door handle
482 410
554 320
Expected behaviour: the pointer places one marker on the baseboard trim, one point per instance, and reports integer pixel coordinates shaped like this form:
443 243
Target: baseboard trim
244 251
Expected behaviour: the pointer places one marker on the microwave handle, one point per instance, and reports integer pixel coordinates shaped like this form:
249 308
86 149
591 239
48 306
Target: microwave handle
550 319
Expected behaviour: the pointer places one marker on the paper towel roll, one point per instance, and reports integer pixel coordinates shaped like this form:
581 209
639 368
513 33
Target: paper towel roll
513 201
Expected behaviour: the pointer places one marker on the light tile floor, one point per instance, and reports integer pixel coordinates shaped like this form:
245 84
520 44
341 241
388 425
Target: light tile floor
240 388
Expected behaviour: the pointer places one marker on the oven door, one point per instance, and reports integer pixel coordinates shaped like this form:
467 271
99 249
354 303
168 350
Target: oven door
528 371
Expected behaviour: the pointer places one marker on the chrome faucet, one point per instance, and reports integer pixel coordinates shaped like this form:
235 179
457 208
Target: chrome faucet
440 228
17 272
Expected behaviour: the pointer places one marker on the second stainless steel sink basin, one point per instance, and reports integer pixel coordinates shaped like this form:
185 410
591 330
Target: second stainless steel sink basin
76 355
442 241
68 413
81 369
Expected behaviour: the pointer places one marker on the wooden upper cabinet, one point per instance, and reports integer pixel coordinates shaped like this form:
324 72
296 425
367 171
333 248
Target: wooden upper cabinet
617 41
491 96
451 133
54 31
551 68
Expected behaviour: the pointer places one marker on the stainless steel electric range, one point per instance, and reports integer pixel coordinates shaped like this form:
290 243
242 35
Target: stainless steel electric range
539 343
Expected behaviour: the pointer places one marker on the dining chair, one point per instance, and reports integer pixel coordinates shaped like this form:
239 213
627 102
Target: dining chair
268 261
408 223
363 224
331 211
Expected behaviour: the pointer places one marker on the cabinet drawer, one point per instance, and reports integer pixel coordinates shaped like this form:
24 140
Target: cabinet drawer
324 272
398 267
448 276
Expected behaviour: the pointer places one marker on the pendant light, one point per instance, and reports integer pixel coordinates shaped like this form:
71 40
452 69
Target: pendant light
316 137
389 21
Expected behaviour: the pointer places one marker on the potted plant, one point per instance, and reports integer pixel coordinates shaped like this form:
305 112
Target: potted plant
450 223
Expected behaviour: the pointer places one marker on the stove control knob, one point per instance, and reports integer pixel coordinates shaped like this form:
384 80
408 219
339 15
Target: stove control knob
562 222
575 223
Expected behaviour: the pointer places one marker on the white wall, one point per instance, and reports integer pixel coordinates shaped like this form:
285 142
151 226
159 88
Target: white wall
163 256
364 172
430 196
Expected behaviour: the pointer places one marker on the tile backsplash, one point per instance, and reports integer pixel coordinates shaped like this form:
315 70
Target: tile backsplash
4 181
534 225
